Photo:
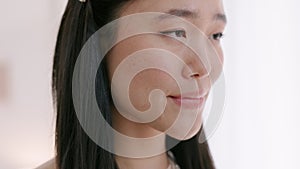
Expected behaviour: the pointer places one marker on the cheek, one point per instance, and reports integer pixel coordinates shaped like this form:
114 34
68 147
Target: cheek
140 90
220 54
217 62
145 82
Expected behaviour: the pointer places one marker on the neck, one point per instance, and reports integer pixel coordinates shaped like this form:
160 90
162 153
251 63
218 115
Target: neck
137 140
138 146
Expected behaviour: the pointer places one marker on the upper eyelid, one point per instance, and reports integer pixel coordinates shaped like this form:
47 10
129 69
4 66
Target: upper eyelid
211 37
218 33
173 30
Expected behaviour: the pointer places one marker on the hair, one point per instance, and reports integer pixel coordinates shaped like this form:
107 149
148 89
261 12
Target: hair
74 148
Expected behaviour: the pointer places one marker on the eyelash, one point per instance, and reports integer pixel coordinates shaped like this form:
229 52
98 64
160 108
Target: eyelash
217 36
178 32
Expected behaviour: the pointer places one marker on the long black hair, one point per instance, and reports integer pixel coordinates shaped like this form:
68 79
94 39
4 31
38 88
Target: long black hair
74 148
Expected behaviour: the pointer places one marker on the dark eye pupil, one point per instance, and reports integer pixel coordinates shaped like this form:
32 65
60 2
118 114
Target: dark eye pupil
217 36
179 33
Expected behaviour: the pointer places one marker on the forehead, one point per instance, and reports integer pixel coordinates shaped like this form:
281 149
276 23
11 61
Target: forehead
203 8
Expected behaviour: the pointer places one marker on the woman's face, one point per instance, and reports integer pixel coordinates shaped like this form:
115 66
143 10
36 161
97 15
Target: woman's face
181 117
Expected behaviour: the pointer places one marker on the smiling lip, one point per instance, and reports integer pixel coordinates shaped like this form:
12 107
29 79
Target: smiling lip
189 102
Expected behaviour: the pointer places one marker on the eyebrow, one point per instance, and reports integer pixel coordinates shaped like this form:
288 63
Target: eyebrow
185 13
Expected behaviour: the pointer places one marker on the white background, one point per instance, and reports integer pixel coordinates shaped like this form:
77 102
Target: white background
259 129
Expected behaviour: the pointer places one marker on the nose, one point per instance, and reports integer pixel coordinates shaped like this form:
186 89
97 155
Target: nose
198 69
195 68
206 66
194 71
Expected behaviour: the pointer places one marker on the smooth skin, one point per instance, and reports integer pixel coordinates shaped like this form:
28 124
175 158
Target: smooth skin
208 16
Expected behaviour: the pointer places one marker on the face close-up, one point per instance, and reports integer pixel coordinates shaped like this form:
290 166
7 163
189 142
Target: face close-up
182 116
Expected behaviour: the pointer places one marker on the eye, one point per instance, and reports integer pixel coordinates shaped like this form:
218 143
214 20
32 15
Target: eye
175 33
217 36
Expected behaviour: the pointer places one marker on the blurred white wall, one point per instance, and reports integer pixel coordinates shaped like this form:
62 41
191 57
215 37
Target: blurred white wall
260 125
28 30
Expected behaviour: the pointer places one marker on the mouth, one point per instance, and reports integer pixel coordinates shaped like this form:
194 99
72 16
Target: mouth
188 101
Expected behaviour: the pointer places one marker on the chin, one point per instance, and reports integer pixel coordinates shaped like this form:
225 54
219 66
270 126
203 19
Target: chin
193 132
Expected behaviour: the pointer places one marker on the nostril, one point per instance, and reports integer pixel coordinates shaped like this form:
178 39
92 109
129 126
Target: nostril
195 75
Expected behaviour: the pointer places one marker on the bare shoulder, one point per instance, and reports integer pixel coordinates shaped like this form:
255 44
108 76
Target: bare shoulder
48 165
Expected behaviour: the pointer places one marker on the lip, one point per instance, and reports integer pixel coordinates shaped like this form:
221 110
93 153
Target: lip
189 101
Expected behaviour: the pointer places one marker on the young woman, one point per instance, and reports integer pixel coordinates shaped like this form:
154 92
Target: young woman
74 147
